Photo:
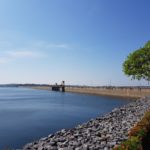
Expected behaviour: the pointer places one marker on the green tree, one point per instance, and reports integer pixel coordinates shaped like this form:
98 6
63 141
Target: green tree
137 64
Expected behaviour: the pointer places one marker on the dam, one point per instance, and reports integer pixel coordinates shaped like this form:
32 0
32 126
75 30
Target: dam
121 91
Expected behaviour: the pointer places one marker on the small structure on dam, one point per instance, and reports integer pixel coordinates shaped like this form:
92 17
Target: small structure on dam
60 87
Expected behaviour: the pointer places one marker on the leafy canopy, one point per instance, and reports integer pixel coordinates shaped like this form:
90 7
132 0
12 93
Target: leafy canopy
137 64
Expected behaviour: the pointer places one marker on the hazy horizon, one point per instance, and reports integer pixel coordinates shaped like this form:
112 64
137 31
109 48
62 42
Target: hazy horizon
82 42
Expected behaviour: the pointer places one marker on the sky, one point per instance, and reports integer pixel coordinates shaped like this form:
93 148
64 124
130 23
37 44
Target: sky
83 42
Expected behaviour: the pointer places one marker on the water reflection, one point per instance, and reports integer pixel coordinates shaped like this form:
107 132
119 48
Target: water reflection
28 114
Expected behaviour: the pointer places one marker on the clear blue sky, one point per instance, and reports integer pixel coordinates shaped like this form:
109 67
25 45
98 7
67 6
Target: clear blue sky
79 41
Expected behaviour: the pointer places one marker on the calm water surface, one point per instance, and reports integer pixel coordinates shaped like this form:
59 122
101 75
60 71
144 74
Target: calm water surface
27 114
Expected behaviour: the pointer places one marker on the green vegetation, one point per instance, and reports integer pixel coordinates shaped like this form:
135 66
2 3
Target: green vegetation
136 135
131 144
137 64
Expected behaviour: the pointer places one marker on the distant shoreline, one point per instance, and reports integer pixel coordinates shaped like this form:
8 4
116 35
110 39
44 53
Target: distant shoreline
126 92
132 92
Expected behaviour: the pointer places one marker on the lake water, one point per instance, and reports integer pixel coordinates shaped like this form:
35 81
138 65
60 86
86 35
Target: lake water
27 114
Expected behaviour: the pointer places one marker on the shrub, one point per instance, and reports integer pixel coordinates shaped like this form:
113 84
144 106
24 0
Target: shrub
136 135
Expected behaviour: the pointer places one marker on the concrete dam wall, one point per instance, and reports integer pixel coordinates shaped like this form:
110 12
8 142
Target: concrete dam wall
134 92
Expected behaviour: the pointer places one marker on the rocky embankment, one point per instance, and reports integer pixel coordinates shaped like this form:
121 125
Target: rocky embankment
102 133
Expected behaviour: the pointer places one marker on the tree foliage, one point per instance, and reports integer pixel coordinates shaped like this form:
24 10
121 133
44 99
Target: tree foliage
137 64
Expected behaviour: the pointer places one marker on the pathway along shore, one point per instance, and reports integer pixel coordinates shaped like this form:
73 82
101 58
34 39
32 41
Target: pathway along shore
102 133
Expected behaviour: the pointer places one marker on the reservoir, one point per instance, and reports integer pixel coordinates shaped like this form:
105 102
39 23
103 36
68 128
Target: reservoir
27 114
